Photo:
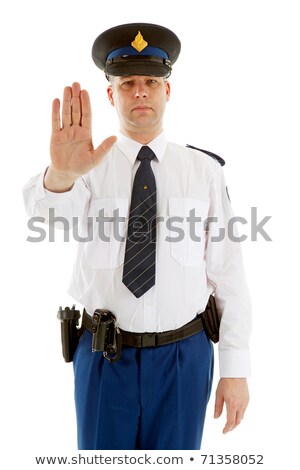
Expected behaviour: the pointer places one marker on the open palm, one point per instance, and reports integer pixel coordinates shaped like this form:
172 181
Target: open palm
71 149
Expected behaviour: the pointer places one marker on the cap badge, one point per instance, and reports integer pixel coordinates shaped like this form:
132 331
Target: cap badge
139 43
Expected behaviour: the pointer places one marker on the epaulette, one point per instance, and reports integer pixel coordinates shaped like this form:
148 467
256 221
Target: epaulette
212 155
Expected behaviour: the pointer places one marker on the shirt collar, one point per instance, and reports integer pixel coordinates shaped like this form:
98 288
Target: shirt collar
130 148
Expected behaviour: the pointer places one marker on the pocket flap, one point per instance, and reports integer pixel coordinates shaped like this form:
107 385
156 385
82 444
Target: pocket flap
185 206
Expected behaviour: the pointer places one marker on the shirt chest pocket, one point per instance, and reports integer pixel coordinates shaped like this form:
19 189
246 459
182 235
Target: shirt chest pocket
186 229
107 226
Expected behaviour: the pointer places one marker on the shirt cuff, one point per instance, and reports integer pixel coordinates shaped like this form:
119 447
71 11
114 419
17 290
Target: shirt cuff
234 363
58 198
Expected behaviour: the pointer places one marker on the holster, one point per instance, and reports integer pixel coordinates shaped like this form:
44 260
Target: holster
70 333
211 320
106 334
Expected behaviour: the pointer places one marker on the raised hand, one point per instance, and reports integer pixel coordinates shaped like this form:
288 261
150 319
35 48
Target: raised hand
71 149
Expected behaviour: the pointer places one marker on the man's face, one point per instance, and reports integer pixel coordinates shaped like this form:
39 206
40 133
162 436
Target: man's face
140 103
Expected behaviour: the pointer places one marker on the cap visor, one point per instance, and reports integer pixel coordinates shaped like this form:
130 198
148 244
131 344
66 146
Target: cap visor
140 68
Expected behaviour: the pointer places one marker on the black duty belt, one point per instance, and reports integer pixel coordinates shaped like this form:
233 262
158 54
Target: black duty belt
109 338
146 340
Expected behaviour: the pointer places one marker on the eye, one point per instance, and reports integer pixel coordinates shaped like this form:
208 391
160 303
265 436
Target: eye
152 81
127 83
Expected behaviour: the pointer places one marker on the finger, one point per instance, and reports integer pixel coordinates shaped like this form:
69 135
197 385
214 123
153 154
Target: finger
238 418
75 104
231 419
230 426
86 119
66 107
104 148
55 115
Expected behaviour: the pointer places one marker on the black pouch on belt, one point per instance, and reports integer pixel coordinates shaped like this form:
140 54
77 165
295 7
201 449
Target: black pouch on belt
211 320
70 332
106 334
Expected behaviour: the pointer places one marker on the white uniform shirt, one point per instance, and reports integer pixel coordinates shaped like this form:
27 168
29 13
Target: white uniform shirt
189 184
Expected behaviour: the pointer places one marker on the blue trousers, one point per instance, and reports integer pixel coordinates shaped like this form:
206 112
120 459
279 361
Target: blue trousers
152 398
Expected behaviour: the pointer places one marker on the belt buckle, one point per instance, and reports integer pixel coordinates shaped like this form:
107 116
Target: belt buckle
148 340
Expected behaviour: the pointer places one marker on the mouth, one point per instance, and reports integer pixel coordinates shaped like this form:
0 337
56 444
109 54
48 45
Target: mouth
141 108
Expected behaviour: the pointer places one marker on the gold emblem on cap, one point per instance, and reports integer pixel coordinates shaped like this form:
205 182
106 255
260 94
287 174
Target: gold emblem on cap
139 43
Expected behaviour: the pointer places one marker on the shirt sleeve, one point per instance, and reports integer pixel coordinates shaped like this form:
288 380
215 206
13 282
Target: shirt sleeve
225 271
71 205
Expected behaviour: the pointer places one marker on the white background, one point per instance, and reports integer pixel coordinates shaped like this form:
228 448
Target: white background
235 91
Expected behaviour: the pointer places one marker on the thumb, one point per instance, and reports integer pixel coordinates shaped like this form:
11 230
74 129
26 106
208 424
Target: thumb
218 405
104 148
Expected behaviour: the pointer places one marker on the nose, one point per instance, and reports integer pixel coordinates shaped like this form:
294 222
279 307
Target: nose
140 91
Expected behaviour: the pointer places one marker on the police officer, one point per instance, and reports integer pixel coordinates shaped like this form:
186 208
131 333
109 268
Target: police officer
156 278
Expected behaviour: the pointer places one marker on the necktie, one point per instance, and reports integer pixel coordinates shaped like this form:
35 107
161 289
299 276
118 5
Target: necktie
139 261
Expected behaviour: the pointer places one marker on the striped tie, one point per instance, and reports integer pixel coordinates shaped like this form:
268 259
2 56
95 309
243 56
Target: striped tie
139 261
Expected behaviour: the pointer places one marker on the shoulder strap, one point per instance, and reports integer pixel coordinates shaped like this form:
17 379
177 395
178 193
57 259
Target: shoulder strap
212 155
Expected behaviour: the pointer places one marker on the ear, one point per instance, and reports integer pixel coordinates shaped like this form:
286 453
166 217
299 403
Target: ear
110 95
168 90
